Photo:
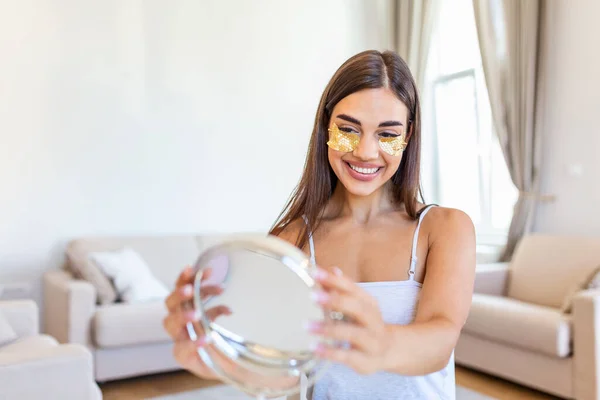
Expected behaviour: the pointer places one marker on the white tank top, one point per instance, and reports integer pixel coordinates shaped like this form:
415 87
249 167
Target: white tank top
398 303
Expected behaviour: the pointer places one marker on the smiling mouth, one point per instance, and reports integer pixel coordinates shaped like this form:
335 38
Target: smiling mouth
364 171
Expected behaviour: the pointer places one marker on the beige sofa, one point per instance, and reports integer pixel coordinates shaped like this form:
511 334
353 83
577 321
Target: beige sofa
126 339
534 322
35 366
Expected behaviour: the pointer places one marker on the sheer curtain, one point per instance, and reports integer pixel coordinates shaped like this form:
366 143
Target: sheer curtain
509 32
412 26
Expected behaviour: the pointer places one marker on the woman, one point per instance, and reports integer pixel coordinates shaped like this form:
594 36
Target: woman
402 271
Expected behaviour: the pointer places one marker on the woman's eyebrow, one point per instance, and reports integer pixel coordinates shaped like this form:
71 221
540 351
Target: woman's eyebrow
390 123
357 122
348 118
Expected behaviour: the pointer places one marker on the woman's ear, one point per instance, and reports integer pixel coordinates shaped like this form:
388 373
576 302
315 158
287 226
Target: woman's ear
410 131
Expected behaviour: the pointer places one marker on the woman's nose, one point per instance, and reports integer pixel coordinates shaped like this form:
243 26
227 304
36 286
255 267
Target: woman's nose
367 149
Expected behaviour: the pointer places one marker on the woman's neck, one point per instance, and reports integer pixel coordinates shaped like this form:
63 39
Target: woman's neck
360 208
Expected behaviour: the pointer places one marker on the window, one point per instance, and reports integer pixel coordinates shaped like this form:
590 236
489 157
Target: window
463 164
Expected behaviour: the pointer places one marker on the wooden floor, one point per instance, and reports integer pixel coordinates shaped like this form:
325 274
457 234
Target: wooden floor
496 387
152 386
164 384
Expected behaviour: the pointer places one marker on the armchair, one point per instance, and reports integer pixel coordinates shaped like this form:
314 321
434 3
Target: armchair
519 327
35 366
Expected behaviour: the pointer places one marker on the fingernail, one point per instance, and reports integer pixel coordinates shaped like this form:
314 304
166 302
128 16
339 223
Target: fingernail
337 271
319 297
319 274
187 290
317 347
203 341
313 326
190 315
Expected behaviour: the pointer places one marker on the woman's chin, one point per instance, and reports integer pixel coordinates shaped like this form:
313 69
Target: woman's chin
361 189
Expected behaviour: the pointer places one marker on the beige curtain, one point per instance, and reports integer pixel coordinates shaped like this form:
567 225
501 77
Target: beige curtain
509 32
412 25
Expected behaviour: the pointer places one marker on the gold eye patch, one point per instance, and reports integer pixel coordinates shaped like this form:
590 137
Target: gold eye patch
348 141
394 146
342 141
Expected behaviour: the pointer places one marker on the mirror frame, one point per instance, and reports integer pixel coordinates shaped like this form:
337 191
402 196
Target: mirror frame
234 347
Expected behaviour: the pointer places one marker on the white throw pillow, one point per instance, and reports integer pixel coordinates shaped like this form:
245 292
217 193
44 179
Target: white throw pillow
591 281
7 333
130 274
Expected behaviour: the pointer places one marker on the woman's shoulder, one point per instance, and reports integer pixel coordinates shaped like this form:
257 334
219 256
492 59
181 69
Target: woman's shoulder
442 221
292 231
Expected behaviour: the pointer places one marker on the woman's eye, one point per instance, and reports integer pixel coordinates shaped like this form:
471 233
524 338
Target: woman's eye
388 135
347 129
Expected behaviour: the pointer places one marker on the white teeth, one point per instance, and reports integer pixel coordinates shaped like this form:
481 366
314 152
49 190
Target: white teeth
364 170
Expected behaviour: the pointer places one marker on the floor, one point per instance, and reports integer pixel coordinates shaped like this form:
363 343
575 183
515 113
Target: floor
164 384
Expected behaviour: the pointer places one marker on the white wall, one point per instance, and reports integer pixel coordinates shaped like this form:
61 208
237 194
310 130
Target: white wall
571 119
152 117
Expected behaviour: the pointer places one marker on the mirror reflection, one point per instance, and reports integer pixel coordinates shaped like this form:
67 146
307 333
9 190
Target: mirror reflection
267 301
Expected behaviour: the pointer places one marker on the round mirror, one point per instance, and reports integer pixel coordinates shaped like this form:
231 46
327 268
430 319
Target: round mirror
253 301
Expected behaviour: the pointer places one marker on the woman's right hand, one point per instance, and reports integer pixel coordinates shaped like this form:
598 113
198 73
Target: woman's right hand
175 323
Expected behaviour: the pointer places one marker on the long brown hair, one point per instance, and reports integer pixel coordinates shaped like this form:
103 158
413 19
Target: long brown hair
367 70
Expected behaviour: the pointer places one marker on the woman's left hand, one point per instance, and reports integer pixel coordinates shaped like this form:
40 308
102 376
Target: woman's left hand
362 328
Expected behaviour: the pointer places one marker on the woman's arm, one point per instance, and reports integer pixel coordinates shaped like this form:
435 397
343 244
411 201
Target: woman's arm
426 345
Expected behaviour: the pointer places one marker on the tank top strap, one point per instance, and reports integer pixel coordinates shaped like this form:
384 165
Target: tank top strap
413 254
311 242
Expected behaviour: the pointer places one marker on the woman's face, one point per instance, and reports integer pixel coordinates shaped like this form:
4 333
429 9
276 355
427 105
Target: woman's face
376 117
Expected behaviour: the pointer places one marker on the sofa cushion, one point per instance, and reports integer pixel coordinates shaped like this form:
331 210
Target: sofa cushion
122 324
592 281
130 275
29 344
545 268
166 257
529 326
84 268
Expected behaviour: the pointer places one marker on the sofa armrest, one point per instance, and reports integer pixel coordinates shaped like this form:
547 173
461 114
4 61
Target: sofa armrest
69 306
491 278
586 344
41 374
22 315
